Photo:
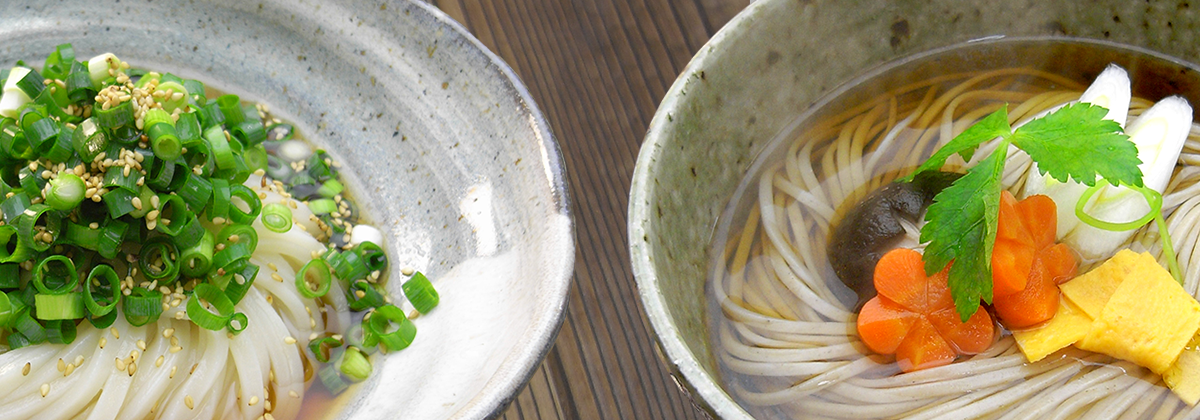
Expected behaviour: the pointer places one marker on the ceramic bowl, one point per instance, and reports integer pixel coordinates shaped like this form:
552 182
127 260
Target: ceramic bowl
446 152
761 71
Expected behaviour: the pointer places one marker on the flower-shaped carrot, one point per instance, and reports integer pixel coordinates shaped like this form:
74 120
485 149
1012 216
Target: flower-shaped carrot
913 316
1026 263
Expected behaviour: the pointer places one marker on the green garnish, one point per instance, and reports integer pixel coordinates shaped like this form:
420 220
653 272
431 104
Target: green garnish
1073 142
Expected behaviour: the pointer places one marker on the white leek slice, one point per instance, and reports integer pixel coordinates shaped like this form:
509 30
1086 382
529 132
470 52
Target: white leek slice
1159 134
13 97
98 67
1109 90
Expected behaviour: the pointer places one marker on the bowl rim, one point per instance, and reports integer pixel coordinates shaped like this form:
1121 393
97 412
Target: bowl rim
541 334
682 362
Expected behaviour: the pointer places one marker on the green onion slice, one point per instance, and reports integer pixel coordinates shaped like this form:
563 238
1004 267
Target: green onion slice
354 365
110 281
316 273
63 278
215 297
421 293
60 306
142 306
277 217
158 260
321 348
66 192
247 196
393 329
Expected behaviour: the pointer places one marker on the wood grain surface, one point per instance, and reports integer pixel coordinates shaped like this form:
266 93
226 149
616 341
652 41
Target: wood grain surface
598 69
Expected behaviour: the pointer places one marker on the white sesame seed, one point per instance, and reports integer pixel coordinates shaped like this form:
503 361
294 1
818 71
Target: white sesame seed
289 340
187 400
253 399
45 390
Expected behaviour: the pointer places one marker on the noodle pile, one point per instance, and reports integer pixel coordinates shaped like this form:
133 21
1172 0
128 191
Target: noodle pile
172 368
786 334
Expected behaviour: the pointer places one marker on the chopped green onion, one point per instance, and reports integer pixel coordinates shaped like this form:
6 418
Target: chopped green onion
421 293
194 261
321 348
118 116
322 206
63 280
62 306
196 192
66 192
372 254
119 202
214 296
317 273
111 237
393 329
60 331
173 214
249 198
38 227
330 188
10 278
158 260
142 306
8 313
113 284
354 365
238 234
12 249
231 108
277 217
242 274
329 377
237 323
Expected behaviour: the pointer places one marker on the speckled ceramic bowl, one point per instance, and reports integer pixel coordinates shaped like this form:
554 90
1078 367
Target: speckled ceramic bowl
761 71
446 152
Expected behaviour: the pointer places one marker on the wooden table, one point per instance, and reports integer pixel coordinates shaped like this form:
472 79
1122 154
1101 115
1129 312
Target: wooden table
598 69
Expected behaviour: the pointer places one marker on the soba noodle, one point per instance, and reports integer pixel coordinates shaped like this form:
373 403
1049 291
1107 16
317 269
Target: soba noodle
786 334
174 369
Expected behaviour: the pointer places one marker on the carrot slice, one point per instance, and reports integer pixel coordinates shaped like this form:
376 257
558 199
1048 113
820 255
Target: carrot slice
971 337
1032 306
1040 217
900 276
1061 262
1011 262
923 348
882 324
1009 224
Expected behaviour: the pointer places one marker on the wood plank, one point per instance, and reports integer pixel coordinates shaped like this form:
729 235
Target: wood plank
598 69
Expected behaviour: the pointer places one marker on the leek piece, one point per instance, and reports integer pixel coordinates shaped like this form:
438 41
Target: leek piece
60 306
277 217
421 293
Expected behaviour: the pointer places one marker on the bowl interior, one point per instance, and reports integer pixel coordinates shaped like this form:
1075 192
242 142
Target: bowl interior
757 75
443 147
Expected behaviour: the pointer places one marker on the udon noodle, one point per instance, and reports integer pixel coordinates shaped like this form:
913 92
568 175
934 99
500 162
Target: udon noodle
174 369
785 329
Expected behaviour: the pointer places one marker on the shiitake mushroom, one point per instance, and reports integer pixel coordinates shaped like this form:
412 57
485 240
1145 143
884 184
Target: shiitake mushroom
873 227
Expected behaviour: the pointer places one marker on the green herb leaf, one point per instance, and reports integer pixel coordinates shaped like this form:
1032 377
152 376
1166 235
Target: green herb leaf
992 126
1077 141
962 228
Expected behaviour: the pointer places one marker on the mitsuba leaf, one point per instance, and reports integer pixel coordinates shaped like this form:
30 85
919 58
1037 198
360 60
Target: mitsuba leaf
961 227
1077 142
992 126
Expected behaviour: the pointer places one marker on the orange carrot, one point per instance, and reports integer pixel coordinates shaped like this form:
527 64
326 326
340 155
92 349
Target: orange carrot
1039 215
1012 253
914 316
1036 300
